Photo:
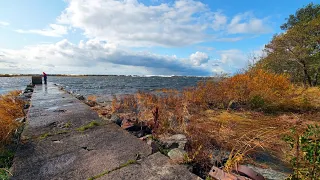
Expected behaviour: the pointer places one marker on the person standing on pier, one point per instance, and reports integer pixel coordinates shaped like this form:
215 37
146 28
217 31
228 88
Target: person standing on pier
44 77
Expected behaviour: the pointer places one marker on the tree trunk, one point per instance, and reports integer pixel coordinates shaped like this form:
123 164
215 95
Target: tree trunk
306 75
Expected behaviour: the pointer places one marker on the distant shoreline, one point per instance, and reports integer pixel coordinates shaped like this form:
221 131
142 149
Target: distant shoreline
85 75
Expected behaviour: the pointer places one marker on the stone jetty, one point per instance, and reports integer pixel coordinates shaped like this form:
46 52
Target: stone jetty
64 139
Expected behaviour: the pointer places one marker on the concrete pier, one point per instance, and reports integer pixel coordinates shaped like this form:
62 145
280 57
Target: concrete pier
64 139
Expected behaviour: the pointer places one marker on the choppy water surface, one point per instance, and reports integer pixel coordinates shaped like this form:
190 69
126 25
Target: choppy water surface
105 86
13 83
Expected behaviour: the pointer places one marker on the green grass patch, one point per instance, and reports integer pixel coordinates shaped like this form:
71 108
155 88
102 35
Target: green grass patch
119 167
45 135
88 126
4 174
6 158
67 125
99 175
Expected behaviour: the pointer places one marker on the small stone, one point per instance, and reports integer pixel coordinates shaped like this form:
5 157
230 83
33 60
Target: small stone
116 119
30 89
108 116
177 155
26 106
80 97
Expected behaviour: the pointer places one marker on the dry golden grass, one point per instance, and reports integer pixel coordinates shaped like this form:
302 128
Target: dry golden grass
10 109
241 132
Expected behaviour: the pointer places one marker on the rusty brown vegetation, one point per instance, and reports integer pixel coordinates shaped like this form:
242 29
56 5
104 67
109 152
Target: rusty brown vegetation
11 108
244 114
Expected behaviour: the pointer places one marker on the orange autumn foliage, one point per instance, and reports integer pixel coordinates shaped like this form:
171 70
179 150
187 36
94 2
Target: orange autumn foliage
245 89
10 108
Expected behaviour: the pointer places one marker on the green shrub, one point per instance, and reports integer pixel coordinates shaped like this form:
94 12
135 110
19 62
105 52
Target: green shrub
6 158
306 158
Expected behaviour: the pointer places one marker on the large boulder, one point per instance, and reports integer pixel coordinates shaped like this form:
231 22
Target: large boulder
174 141
177 155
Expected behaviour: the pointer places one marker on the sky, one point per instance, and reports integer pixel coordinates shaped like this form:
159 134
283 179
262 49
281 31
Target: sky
137 37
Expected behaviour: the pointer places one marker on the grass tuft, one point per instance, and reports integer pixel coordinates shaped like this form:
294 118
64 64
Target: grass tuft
45 135
67 125
91 125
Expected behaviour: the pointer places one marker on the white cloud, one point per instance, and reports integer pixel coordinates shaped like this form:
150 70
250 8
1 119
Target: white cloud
54 30
233 57
199 58
95 56
233 60
247 23
3 23
219 21
132 23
